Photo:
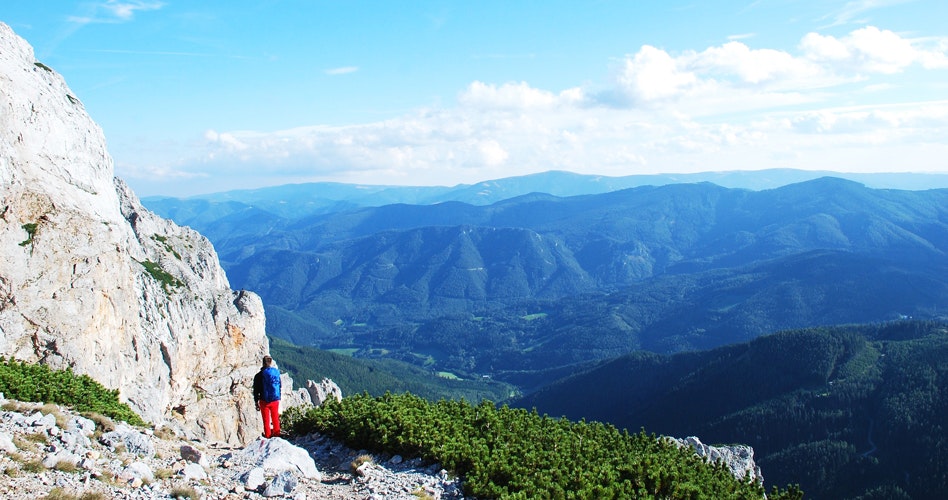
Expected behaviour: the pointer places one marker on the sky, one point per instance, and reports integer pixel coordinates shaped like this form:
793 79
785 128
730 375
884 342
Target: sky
209 96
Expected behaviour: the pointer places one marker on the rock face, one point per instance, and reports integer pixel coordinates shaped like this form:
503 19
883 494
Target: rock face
739 459
91 280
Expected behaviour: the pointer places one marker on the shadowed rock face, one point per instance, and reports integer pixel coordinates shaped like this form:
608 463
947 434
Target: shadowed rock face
91 280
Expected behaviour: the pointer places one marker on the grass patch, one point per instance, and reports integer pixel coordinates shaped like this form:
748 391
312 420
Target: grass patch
163 240
66 466
164 473
161 276
18 406
34 466
165 433
36 437
185 492
103 423
59 493
51 409
359 461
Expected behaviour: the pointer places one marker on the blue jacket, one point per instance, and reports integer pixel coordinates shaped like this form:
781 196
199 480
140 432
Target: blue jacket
266 385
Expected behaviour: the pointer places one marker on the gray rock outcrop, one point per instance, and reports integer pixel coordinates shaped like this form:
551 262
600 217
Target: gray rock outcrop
91 280
739 458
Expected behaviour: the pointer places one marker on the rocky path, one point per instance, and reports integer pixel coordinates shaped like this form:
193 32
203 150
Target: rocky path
48 451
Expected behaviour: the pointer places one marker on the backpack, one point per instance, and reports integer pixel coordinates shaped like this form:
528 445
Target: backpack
271 384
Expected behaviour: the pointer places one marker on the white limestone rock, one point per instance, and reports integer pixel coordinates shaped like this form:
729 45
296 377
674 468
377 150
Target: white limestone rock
739 459
322 391
179 345
277 455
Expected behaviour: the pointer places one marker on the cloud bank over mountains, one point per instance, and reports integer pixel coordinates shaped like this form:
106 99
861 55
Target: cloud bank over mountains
725 107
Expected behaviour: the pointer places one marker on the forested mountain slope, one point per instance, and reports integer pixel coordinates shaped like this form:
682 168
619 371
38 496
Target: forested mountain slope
536 283
844 411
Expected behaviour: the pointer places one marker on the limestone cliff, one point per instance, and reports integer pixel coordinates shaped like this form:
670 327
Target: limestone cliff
89 279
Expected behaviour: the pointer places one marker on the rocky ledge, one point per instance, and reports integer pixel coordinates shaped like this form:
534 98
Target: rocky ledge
49 451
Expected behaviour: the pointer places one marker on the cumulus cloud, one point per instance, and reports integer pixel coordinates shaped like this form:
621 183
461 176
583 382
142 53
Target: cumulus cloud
516 96
729 106
873 50
652 74
741 77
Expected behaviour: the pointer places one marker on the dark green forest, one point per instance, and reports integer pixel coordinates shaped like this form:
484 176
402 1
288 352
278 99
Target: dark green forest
846 412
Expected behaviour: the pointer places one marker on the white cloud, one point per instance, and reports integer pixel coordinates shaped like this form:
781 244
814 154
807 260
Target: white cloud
725 107
516 96
653 75
741 36
345 70
116 11
760 66
873 50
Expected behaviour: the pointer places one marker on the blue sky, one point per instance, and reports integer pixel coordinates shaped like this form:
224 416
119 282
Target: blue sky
198 97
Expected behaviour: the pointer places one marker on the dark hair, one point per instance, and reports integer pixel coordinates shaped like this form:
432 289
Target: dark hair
267 360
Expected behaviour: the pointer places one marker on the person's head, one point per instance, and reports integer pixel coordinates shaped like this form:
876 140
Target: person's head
267 361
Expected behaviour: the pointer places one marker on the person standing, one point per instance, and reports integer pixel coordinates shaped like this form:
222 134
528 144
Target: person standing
266 397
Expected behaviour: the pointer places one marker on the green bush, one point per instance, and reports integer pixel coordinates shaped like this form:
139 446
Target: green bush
160 275
30 229
38 383
513 453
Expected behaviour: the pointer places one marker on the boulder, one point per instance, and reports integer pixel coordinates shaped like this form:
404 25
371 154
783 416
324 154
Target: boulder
254 479
194 455
133 441
277 455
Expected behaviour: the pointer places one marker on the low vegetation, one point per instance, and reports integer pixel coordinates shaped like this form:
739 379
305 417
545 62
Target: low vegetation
38 383
161 276
30 229
512 453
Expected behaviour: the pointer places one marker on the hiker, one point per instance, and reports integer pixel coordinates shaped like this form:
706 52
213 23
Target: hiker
266 397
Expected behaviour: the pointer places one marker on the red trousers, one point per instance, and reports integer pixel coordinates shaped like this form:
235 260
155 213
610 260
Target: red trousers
271 413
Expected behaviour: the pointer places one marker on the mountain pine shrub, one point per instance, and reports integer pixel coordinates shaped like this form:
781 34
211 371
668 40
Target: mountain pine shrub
517 454
38 383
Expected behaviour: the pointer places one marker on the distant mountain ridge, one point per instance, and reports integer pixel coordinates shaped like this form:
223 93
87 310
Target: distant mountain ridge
294 201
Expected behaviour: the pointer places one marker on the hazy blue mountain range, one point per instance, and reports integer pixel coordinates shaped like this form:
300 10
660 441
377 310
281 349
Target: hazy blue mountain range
537 286
301 200
844 411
